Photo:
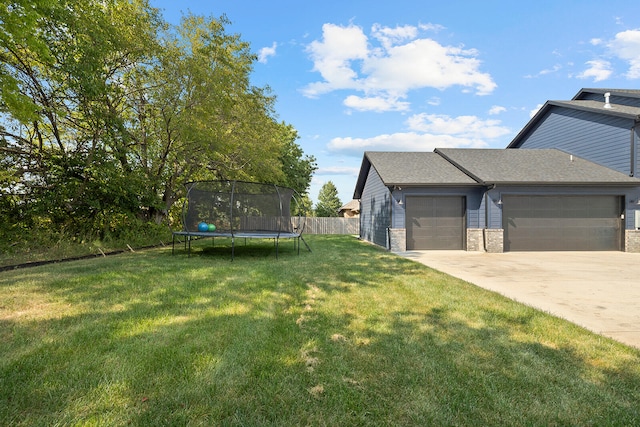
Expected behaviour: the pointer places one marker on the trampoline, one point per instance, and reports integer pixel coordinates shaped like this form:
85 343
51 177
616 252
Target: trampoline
239 209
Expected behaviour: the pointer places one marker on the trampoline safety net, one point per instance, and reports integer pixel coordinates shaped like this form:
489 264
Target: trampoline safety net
240 209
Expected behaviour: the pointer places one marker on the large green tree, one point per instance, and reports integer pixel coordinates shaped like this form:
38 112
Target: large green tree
106 111
328 201
297 167
195 115
61 126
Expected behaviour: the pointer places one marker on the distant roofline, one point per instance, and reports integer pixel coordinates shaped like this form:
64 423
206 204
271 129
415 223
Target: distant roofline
630 93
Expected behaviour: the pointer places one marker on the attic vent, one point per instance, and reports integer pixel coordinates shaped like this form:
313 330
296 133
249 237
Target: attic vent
606 100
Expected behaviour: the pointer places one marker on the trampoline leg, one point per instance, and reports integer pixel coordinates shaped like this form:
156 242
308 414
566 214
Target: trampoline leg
305 243
173 245
233 247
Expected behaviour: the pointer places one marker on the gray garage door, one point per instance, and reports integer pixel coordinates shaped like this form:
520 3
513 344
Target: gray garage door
562 223
435 222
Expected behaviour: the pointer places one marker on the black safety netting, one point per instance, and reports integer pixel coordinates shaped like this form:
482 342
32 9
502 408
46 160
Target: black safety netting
233 207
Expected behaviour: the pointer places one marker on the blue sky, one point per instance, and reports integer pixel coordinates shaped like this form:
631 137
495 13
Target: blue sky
356 76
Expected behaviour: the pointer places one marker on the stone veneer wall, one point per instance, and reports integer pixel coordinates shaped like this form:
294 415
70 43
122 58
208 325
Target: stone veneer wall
475 240
632 241
494 240
398 238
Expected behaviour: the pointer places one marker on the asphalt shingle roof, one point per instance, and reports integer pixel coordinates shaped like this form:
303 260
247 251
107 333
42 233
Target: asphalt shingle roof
532 166
414 168
598 107
634 93
469 166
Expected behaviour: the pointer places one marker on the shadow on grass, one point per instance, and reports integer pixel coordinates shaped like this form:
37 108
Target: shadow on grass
345 335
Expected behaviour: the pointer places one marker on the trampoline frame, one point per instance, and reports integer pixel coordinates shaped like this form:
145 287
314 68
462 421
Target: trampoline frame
291 232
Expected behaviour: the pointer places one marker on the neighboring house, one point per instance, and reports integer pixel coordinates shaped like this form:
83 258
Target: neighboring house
495 200
350 210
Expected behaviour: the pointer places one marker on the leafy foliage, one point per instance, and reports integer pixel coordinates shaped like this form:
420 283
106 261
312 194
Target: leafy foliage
106 111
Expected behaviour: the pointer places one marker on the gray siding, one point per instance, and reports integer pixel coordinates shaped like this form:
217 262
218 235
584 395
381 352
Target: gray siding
493 209
375 210
601 139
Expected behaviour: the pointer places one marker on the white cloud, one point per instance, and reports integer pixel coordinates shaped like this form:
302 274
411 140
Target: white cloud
465 126
426 132
266 52
402 141
392 36
546 71
400 62
338 170
333 56
599 70
425 63
626 46
535 110
375 103
431 27
496 109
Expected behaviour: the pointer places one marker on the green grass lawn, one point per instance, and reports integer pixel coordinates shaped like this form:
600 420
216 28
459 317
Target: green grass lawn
345 335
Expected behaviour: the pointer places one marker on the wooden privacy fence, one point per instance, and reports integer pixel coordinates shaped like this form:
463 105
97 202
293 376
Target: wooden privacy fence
335 225
313 225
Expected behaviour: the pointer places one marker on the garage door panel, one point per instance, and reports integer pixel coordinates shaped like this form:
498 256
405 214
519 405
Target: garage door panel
435 222
562 223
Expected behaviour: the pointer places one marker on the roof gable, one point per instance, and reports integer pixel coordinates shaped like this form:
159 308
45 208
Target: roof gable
410 168
624 103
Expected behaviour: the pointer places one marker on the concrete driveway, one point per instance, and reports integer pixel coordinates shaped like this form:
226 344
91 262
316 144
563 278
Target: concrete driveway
597 290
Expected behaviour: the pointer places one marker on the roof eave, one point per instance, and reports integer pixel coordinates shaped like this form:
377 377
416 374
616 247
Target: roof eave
602 91
530 124
607 111
362 177
433 184
566 183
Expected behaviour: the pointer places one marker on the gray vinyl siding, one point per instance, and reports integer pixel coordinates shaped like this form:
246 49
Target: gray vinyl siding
492 208
601 139
375 210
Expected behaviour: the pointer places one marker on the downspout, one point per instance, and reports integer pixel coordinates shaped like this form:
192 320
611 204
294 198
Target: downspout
632 146
390 219
486 215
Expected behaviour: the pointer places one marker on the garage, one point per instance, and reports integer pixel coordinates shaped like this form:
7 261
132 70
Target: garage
435 222
562 223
